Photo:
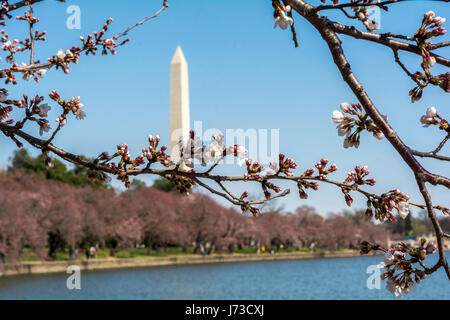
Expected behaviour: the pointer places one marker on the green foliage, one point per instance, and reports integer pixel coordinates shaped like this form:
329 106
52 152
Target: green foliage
357 216
246 250
410 226
137 184
164 185
143 252
77 176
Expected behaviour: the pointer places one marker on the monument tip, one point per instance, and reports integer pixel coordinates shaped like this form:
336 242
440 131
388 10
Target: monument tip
178 57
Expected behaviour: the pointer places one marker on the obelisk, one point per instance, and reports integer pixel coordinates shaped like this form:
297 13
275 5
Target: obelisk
179 102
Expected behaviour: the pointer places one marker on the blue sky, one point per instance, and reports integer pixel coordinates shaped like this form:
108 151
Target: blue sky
243 74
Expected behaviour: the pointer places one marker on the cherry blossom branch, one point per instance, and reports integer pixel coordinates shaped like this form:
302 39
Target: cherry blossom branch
11 7
382 204
432 118
88 46
398 36
347 14
397 60
328 30
383 40
31 38
164 7
293 31
360 3
436 225
433 154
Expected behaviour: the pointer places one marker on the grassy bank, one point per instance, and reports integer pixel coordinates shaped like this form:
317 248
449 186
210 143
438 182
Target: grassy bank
29 256
43 267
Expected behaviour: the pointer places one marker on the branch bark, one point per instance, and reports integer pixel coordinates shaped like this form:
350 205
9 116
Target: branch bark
381 39
327 30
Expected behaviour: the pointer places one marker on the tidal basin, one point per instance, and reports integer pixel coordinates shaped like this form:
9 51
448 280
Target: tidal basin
340 278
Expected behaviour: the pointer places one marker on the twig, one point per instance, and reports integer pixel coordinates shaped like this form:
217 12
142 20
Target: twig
18 5
293 31
164 7
347 14
437 227
397 60
31 38
359 3
398 36
380 39
48 65
433 154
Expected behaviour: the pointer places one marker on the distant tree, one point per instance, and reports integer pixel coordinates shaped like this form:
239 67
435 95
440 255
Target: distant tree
164 185
137 184
408 226
79 176
357 216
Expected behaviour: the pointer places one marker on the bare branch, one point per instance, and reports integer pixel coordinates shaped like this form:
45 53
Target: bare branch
437 227
359 3
48 65
397 60
18 5
326 29
433 154
381 39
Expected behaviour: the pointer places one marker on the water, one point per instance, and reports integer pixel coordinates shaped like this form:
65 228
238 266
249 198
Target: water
343 278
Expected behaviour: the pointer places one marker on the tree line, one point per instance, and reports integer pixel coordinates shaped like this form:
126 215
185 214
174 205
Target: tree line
49 210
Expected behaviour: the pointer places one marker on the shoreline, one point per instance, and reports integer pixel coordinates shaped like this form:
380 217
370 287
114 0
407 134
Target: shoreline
48 267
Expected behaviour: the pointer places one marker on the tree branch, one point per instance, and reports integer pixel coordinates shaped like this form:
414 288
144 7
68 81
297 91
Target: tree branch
360 3
326 29
381 39
19 5
436 226
433 154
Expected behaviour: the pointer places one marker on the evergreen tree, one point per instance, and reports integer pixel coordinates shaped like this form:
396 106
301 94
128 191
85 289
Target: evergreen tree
76 176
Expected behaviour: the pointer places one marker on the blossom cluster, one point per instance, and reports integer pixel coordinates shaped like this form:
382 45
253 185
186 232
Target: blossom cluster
5 110
73 105
37 111
15 46
384 204
194 149
62 59
431 27
353 180
431 117
362 14
254 172
182 161
282 20
152 154
33 107
246 207
442 81
361 122
399 261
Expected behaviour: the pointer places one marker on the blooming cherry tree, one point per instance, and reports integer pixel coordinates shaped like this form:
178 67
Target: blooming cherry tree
352 120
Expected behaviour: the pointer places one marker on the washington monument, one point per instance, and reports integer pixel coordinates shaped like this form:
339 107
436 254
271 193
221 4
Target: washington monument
179 102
